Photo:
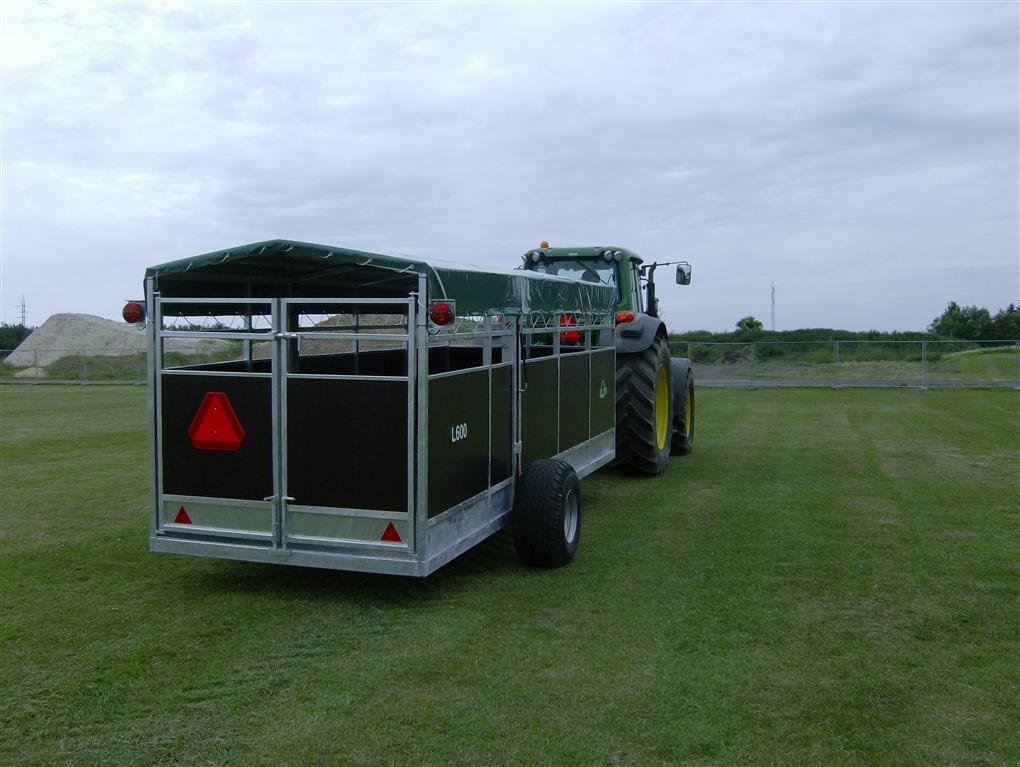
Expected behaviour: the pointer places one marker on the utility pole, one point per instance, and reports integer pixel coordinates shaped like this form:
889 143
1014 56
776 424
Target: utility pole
773 306
23 312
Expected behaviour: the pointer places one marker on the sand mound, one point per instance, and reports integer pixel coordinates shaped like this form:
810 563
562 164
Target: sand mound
64 334
68 334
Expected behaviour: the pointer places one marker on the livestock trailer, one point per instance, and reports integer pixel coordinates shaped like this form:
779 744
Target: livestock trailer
358 411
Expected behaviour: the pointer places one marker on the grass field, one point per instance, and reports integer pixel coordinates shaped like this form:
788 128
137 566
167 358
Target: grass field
979 367
833 577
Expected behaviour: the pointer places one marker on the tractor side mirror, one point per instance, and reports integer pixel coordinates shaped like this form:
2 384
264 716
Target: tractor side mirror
683 273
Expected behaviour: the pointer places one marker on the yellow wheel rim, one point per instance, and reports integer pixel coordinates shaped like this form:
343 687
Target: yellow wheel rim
687 414
661 407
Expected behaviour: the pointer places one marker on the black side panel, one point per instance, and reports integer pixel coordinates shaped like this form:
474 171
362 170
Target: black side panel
347 443
573 400
458 439
538 411
603 391
502 424
246 473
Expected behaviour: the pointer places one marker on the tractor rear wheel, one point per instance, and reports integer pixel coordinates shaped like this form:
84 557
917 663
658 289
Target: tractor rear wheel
644 409
683 412
546 516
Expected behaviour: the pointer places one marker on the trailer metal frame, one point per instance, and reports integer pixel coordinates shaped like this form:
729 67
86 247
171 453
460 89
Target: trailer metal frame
511 348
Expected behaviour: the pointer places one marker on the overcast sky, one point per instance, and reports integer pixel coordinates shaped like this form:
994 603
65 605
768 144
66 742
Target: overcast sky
865 157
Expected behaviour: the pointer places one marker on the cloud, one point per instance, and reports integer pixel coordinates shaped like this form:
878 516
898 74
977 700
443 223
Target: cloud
817 145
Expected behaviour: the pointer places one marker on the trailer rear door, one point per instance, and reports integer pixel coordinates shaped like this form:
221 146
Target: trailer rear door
348 442
215 430
285 425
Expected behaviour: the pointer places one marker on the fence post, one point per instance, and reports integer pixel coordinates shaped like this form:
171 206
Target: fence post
35 366
1017 382
754 363
835 383
84 368
688 350
924 364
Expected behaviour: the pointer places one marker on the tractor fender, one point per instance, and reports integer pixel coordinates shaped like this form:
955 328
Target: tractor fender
637 336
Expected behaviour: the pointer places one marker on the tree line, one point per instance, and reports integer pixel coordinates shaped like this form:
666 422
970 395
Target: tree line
11 336
956 323
974 323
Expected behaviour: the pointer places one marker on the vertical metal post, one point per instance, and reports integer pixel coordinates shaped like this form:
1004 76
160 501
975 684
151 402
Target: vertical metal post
412 353
688 350
420 517
35 366
1016 383
835 384
754 364
559 392
518 381
487 363
153 367
84 367
589 343
356 317
924 364
277 388
246 345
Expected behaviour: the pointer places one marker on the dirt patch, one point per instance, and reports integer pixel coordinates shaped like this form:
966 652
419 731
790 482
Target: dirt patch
31 373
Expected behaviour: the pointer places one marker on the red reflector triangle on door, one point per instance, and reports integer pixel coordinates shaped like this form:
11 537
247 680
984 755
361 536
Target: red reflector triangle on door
216 426
182 517
390 534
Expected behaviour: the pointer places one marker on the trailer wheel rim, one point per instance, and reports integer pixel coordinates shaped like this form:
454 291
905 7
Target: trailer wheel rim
570 516
661 407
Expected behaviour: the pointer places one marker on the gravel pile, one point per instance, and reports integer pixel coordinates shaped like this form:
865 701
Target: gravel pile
65 334
70 334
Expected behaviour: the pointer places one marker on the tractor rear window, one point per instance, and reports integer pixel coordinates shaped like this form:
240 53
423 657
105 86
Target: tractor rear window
594 272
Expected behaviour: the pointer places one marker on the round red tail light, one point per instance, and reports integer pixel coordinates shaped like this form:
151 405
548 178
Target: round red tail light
441 312
133 312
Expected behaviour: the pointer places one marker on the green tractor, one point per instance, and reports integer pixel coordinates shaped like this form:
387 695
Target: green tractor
654 394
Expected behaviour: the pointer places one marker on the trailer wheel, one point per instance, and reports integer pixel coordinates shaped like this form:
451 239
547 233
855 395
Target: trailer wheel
546 517
644 409
683 412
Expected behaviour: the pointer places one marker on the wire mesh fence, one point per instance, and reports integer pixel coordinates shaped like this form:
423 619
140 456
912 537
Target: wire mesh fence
749 364
920 364
86 365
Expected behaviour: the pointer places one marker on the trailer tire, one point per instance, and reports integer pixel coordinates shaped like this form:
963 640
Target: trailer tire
644 409
683 411
546 516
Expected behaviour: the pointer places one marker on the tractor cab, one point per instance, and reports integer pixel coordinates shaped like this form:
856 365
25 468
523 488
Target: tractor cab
613 266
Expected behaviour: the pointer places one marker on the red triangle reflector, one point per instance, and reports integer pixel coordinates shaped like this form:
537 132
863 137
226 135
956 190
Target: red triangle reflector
391 534
216 426
182 517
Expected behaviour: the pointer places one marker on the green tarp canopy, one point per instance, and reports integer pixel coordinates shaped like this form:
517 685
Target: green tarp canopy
285 268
